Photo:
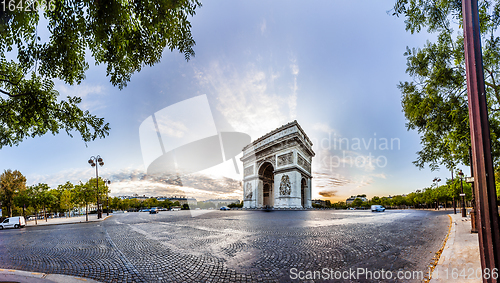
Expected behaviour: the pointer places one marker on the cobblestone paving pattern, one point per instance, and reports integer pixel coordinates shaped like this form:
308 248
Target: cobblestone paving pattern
228 246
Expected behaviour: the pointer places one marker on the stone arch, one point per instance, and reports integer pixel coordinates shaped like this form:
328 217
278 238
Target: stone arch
280 159
266 180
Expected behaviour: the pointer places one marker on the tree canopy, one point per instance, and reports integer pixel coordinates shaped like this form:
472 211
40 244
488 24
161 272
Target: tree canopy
435 102
11 184
123 35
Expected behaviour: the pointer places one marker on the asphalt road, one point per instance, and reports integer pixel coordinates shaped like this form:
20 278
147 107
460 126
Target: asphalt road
233 246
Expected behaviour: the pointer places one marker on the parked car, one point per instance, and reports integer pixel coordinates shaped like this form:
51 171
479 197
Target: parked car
13 222
225 208
378 208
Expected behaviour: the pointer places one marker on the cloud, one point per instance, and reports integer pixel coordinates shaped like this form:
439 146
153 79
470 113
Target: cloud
328 194
365 181
72 175
294 67
133 181
292 103
263 26
381 176
86 92
172 128
246 98
323 127
328 180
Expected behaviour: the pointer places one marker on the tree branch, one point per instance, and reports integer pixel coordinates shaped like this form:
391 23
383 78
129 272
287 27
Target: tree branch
10 82
493 85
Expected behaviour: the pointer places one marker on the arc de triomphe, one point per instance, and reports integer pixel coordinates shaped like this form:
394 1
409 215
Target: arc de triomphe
277 169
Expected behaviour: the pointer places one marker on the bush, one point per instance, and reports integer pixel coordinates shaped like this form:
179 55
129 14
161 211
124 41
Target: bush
233 205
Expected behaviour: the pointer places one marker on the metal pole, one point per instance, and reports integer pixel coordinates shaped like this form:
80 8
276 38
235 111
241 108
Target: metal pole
437 190
107 197
464 211
97 181
473 210
484 183
454 203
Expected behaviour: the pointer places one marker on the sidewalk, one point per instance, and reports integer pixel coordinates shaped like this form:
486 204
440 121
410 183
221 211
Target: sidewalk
9 275
66 220
460 260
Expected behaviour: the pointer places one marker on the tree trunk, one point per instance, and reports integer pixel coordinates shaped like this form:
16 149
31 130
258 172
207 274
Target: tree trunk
45 213
36 216
86 212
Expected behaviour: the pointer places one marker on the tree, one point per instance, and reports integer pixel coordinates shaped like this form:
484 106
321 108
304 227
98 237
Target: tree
43 198
99 190
53 201
386 201
22 200
435 102
11 183
115 203
83 195
36 195
240 204
65 197
167 204
357 203
123 35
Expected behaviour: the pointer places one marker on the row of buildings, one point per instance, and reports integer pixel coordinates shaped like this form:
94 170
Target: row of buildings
181 199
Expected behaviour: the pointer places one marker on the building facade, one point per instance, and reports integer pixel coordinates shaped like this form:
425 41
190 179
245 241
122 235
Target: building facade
277 169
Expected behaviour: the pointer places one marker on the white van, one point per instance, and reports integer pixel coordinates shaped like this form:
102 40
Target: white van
378 208
13 222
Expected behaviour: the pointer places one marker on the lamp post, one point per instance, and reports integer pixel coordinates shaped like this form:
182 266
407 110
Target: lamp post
107 182
484 174
437 180
464 214
93 161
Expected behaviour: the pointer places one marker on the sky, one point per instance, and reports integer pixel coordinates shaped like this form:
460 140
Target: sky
333 66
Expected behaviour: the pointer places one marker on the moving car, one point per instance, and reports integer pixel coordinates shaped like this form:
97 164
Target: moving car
378 208
225 208
153 210
13 222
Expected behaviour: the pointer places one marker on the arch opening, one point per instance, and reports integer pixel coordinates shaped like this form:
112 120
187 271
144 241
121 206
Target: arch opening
303 185
266 177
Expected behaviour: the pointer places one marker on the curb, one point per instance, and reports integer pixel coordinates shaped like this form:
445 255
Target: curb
35 277
435 259
66 223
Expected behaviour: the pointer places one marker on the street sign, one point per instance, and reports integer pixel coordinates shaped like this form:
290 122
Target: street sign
469 180
462 195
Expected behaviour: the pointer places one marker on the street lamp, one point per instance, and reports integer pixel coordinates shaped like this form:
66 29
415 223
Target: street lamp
107 182
464 214
93 161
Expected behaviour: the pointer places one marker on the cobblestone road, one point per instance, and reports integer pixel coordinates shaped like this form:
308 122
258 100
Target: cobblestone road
228 246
